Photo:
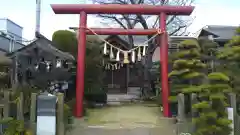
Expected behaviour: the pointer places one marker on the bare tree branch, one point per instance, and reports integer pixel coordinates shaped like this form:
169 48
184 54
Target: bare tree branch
140 1
115 19
132 1
156 22
175 25
176 30
142 21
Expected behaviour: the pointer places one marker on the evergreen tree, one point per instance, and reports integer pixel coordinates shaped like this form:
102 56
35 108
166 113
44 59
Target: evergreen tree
187 70
65 41
212 105
189 75
212 95
208 53
229 63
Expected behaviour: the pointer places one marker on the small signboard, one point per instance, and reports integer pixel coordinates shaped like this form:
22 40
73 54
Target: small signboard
46 114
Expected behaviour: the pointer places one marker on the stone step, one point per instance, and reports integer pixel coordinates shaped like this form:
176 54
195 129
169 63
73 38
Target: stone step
124 131
132 119
123 97
164 126
160 121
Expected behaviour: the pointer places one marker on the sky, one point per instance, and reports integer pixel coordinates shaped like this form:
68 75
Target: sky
22 12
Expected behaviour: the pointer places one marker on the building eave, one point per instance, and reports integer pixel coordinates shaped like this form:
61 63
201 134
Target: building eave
49 45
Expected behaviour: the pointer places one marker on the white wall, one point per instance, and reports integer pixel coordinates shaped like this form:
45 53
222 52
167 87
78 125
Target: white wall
3 24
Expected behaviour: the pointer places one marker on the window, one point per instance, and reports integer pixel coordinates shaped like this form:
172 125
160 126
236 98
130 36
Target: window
29 60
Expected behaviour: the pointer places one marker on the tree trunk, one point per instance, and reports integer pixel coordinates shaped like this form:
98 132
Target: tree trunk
147 74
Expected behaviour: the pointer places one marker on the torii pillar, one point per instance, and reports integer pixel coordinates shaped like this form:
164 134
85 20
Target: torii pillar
84 9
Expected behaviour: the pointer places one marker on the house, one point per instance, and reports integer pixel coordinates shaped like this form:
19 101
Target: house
172 47
116 79
218 33
135 78
36 64
11 29
120 80
10 35
8 44
128 76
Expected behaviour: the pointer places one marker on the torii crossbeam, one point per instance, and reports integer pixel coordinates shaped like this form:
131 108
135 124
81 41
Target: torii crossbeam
84 9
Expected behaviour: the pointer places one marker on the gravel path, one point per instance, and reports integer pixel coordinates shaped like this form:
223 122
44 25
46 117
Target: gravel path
137 119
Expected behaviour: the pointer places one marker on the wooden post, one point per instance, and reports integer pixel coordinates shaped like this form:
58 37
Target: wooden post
20 107
33 113
163 40
6 104
60 114
14 78
81 64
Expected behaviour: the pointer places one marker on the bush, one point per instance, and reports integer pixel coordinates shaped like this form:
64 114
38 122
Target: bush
71 105
68 118
14 127
96 96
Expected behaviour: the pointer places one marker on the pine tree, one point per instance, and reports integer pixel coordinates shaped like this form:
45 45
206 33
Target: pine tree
208 53
212 105
212 100
187 71
189 75
230 63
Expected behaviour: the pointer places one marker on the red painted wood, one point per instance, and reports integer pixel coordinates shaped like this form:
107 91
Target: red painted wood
118 31
121 9
164 65
85 9
81 64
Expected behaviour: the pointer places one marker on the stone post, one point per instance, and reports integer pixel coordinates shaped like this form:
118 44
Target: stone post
233 104
181 108
194 112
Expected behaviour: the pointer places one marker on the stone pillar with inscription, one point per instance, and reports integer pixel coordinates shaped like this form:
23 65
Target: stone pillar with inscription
233 110
46 114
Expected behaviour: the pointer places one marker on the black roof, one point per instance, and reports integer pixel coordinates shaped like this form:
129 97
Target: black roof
45 44
218 31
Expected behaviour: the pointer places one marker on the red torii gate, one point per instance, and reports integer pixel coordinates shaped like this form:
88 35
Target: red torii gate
84 9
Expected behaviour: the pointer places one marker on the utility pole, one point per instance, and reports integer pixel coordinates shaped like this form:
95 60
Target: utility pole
38 16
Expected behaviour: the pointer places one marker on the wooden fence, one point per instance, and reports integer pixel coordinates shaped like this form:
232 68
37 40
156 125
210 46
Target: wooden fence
185 124
7 110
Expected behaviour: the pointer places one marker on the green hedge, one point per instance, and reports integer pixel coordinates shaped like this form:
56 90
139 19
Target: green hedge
96 96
